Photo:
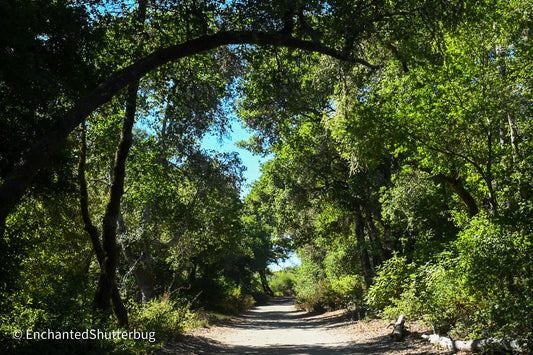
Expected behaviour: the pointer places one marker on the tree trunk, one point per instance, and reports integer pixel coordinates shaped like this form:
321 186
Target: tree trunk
464 195
377 247
109 226
264 283
90 228
140 267
192 272
40 152
142 271
492 344
102 299
363 250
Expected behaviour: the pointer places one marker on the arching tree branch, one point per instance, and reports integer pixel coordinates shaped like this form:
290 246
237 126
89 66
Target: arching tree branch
39 154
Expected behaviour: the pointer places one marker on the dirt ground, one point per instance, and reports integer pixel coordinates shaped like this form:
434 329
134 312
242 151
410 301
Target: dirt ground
279 328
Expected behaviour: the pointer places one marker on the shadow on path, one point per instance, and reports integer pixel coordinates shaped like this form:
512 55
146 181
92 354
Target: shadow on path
201 345
278 328
285 316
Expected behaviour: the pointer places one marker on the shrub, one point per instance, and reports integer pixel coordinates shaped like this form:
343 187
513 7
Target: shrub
392 279
234 301
22 318
282 283
433 294
317 297
482 287
351 291
163 316
495 263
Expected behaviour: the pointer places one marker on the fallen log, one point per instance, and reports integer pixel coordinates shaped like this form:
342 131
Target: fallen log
398 333
477 345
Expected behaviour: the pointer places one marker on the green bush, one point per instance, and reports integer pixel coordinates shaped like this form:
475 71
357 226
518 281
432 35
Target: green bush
328 280
496 268
351 291
22 318
163 316
482 287
282 283
392 279
317 297
234 301
432 293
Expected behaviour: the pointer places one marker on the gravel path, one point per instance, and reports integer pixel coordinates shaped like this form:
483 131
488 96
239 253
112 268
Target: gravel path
278 328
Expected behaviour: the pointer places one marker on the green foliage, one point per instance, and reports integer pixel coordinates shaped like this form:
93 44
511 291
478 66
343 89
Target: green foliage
317 297
416 207
313 290
225 296
234 301
433 294
392 279
417 171
481 288
496 270
165 317
282 282
320 286
45 67
351 290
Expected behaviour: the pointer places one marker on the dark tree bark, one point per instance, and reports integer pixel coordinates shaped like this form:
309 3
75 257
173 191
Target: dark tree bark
388 245
363 250
264 284
464 195
192 272
398 333
102 299
106 282
39 154
373 234
90 228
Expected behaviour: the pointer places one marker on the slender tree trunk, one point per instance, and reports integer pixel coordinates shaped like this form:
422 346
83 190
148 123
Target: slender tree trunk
388 245
192 273
142 271
488 175
373 234
90 228
106 281
363 250
464 195
390 242
264 283
140 267
508 117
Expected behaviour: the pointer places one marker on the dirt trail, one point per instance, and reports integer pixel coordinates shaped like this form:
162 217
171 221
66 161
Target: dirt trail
278 328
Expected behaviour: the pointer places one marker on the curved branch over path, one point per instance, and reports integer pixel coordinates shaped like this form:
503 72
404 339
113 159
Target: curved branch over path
39 154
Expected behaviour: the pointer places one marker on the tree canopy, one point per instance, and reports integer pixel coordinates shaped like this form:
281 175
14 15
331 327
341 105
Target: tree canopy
400 171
